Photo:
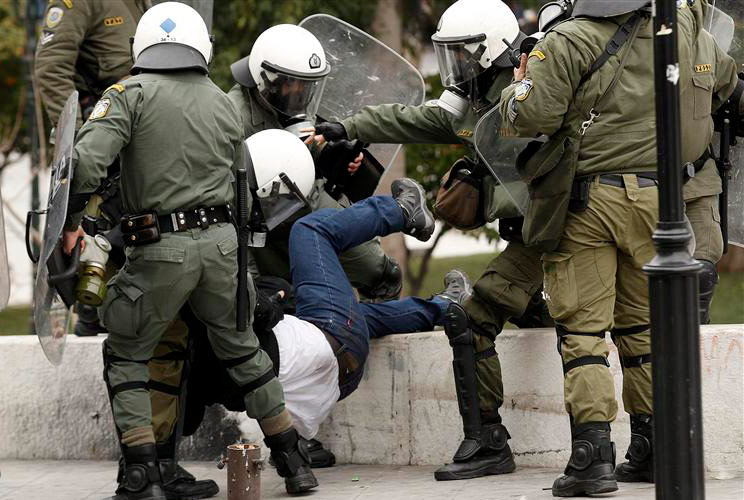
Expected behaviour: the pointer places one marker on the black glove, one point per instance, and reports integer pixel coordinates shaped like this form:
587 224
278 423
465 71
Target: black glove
332 131
269 310
334 158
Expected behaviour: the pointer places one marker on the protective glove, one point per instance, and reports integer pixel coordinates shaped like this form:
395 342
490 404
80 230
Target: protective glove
269 310
331 131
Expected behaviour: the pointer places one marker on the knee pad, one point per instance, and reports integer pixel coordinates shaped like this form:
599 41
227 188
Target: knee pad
389 283
707 280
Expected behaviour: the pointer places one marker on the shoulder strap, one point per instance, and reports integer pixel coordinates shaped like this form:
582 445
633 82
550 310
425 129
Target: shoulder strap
628 31
621 36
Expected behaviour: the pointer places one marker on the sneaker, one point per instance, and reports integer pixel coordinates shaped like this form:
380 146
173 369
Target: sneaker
457 286
419 221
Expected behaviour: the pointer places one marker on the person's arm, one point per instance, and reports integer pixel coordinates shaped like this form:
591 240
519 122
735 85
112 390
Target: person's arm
539 102
61 35
102 137
399 124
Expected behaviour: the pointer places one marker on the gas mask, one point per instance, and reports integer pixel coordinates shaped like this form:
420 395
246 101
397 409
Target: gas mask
91 286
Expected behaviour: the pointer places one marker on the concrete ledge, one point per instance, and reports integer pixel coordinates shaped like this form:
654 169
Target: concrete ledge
404 412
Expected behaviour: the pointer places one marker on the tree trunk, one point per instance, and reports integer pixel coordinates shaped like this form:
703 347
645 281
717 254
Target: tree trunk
387 26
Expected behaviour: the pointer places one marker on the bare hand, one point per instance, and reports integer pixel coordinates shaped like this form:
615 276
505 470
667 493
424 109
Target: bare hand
70 238
354 165
311 134
521 72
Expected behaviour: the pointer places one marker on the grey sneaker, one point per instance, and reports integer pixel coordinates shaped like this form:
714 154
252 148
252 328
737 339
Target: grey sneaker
412 200
457 286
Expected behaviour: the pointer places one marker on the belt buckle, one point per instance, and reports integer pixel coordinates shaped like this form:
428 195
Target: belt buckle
203 221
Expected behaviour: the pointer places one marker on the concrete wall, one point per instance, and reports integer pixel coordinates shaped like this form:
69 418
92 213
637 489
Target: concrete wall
404 412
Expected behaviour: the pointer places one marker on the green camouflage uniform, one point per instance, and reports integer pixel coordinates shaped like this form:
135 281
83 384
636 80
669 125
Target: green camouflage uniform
142 121
365 265
594 279
512 278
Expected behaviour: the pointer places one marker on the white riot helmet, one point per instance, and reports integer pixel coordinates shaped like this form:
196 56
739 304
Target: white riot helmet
171 36
470 39
288 66
281 174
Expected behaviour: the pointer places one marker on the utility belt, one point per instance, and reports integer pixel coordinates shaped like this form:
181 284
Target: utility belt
146 228
694 167
347 363
579 200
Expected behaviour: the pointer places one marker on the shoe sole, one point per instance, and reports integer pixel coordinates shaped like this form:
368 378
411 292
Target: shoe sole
198 496
633 479
505 467
582 488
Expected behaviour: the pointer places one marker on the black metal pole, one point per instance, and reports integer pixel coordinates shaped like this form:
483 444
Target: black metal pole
673 286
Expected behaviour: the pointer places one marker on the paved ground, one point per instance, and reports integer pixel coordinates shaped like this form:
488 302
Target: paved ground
72 480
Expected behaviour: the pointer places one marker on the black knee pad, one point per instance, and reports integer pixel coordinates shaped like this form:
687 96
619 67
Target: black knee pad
707 280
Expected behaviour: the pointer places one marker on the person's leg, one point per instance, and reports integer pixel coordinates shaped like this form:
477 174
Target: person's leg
632 336
323 293
580 279
706 226
141 301
214 303
412 314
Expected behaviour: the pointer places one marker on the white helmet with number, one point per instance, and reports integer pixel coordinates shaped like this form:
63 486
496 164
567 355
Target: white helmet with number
281 173
470 39
288 66
171 36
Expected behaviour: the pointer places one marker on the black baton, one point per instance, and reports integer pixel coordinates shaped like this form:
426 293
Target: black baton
243 241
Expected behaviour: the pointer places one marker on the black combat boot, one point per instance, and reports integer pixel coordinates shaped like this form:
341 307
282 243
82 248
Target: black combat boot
640 465
141 477
87 324
590 469
419 221
179 484
488 456
319 456
292 461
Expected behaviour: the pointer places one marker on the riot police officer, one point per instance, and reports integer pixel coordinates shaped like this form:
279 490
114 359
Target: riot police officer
475 67
280 88
84 45
588 86
171 127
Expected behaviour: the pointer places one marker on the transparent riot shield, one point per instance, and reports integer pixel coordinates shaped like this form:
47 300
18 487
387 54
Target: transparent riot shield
725 21
499 153
364 72
51 313
4 271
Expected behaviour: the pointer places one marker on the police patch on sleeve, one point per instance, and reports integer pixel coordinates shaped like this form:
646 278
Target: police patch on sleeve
101 109
54 16
523 90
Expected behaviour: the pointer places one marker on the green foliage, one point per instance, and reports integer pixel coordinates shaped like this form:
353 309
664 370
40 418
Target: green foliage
11 62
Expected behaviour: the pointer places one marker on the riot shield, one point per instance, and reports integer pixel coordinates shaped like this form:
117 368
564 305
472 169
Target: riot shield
51 312
4 271
725 21
364 72
499 153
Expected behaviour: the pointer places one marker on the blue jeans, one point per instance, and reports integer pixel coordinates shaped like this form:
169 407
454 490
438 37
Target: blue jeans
323 293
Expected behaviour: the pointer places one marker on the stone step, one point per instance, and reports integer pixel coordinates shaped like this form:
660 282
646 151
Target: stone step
404 412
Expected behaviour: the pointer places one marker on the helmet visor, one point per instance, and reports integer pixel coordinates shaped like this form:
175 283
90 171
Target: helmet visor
459 59
277 208
291 93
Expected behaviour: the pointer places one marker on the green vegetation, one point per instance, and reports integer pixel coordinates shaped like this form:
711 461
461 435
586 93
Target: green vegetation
728 304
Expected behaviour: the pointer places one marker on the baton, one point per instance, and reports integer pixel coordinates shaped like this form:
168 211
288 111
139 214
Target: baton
243 243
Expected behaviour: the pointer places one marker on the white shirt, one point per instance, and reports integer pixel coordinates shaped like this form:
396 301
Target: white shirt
308 371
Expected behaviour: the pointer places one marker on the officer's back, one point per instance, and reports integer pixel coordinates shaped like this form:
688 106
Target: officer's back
184 136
